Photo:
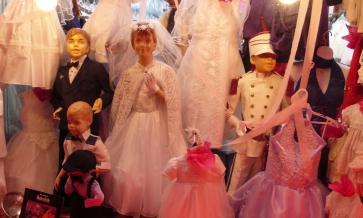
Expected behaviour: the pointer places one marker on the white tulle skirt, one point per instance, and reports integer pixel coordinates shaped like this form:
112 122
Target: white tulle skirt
32 44
32 161
139 154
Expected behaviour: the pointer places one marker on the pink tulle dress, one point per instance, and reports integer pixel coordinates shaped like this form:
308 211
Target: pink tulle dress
289 186
197 189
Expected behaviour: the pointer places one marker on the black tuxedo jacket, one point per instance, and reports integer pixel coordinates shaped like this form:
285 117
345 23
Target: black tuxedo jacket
90 83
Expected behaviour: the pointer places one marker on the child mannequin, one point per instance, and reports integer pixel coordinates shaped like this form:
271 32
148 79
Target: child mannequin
81 80
79 116
146 130
86 194
256 91
197 181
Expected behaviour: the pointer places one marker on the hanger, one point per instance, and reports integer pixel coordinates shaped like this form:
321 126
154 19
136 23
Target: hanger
298 102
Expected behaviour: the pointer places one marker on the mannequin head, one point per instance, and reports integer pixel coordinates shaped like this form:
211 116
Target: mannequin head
79 117
261 53
264 63
323 58
143 39
78 43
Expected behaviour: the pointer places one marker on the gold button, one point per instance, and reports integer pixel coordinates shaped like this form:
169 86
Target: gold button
252 95
262 116
252 86
267 96
252 106
252 116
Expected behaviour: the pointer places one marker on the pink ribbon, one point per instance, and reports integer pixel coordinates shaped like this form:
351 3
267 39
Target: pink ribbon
201 156
345 187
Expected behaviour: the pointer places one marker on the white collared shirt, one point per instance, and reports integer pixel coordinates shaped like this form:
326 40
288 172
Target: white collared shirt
72 72
99 149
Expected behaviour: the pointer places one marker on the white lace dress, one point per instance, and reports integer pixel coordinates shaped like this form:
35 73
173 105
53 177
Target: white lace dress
32 160
146 134
210 63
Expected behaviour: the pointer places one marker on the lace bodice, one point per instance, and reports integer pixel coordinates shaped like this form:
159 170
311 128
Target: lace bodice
146 101
215 20
286 164
36 116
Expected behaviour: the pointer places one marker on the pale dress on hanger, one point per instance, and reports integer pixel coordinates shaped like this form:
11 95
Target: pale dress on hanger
32 158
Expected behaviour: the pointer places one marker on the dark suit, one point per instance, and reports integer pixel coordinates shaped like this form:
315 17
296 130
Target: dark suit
90 83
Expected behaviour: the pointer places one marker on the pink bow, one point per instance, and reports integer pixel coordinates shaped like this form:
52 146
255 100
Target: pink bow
345 188
201 156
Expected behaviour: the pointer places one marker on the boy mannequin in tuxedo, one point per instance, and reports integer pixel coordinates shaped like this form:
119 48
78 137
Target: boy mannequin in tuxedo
81 80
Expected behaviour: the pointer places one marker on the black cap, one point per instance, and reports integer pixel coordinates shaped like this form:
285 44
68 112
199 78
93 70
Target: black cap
80 160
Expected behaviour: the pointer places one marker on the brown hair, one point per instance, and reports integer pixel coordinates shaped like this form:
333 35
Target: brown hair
81 108
142 32
76 31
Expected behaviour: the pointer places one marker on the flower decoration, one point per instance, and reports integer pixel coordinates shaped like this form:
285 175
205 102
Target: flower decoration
142 26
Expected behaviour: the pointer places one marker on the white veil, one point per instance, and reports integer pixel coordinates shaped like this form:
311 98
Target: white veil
121 54
65 11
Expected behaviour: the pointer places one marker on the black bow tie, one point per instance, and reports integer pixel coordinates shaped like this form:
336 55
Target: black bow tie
75 138
73 64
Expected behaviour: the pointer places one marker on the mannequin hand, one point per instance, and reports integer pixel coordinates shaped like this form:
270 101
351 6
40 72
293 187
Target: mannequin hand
56 114
241 128
97 106
150 82
57 183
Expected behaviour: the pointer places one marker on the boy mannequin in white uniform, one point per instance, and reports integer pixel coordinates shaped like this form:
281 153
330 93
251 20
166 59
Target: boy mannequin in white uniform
256 91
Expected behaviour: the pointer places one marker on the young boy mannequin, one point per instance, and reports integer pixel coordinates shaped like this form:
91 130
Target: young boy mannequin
86 194
81 80
79 116
256 91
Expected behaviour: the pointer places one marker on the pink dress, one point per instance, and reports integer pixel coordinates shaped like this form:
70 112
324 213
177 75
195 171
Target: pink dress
195 194
289 186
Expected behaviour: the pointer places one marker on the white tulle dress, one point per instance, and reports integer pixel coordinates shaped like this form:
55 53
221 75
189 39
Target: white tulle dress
32 44
32 160
108 18
146 133
211 61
